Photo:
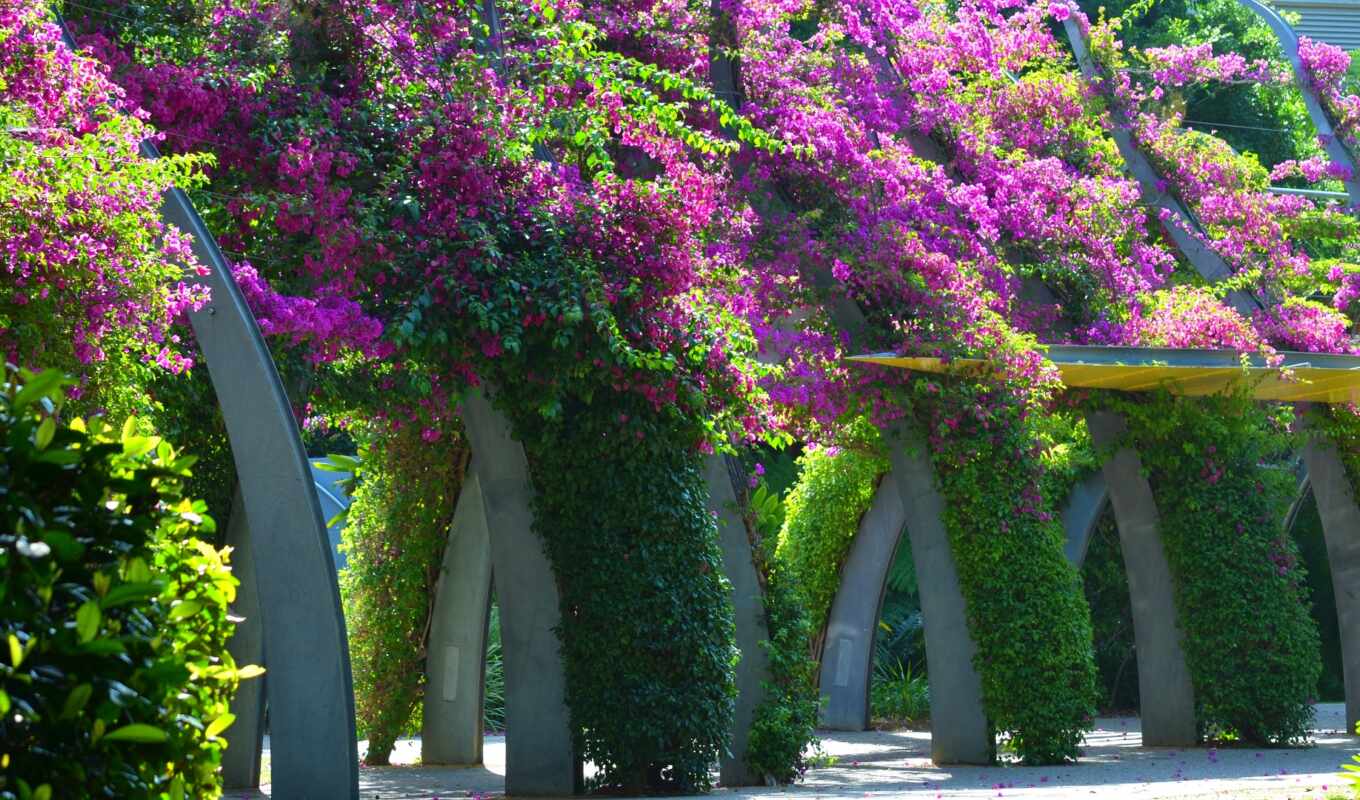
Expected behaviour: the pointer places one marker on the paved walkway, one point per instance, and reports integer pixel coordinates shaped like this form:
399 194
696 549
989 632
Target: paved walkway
897 763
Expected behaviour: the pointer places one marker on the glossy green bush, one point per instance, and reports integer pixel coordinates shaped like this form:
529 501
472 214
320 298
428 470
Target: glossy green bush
1241 589
114 674
822 514
647 624
394 538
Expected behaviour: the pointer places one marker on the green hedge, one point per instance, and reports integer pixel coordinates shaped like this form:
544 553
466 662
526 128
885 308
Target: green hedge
394 538
822 513
647 625
115 679
1241 589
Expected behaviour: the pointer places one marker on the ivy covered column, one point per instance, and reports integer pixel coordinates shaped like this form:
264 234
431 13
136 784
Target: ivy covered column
1168 708
1341 529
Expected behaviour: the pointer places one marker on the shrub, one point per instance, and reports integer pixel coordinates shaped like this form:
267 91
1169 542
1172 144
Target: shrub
114 677
899 693
822 514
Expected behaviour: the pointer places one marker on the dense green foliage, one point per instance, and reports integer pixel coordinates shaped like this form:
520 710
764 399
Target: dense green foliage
394 538
1025 608
115 678
834 489
1241 589
1107 593
784 723
1266 119
639 574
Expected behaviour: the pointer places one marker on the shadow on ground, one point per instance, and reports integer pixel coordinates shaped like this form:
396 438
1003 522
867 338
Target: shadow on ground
1113 765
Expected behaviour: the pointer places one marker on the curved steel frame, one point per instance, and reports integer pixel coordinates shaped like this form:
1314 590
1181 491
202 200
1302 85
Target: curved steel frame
1322 121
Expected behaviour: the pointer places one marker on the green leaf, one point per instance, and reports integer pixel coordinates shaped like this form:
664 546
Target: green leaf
16 651
249 671
130 593
4 702
45 384
46 430
184 609
137 732
76 700
88 618
218 725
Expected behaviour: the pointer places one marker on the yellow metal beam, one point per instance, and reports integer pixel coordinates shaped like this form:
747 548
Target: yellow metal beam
1302 377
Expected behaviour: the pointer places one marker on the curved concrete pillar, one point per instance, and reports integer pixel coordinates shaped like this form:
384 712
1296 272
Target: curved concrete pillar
1322 121
906 497
539 758
959 730
313 742
848 653
1341 530
455 664
311 700
1168 696
1081 514
748 600
245 737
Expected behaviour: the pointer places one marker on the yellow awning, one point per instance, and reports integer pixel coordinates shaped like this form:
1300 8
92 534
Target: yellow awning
1301 377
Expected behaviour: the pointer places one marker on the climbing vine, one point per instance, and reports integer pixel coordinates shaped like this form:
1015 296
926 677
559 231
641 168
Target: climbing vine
394 537
835 487
1218 467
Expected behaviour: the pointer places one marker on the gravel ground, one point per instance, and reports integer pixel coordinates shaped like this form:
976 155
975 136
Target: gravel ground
897 763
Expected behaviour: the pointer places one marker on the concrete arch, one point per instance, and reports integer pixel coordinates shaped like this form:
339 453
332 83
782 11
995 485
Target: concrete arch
286 568
455 668
906 498
1081 514
848 658
1340 516
493 538
1168 707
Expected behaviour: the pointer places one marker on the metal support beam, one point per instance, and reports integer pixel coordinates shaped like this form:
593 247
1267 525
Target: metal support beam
1168 696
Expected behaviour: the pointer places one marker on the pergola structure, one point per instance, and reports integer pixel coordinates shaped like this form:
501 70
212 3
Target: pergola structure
906 498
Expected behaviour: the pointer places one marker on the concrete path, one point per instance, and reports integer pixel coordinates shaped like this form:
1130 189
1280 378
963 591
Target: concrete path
897 763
